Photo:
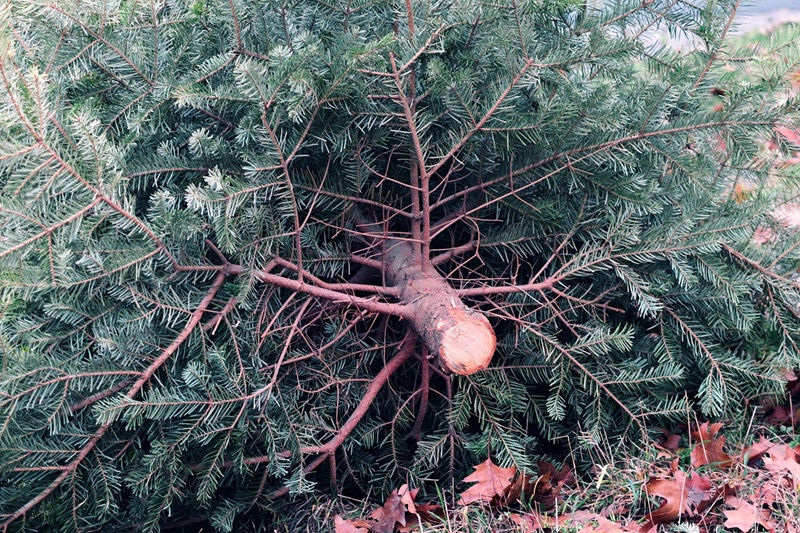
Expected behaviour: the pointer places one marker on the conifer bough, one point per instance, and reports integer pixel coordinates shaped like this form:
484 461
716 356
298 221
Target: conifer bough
234 234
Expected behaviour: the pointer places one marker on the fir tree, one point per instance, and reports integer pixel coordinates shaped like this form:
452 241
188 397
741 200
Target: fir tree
243 239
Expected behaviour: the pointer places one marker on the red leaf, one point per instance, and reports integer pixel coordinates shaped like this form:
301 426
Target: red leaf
781 458
429 512
550 483
745 515
392 512
522 487
491 482
755 451
527 523
709 450
671 441
684 496
346 526
407 498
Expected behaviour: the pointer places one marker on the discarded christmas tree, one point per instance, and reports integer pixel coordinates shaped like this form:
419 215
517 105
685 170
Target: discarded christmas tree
245 239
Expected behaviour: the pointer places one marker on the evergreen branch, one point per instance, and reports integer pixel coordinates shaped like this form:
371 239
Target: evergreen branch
488 115
433 36
49 231
103 40
713 53
94 398
418 169
424 387
695 338
590 375
587 151
211 325
143 378
66 377
327 450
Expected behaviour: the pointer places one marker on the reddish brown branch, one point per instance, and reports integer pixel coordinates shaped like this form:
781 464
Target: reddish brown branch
341 287
212 324
326 451
93 399
454 252
507 289
406 351
424 388
327 294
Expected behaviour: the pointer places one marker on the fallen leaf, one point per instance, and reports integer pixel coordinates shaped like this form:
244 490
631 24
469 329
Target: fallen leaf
392 512
783 415
781 458
550 482
671 441
766 492
755 451
527 523
521 488
429 512
709 449
684 496
745 515
491 482
407 498
346 526
415 513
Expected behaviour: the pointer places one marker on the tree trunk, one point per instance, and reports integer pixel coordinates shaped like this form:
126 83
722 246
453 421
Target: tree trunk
461 337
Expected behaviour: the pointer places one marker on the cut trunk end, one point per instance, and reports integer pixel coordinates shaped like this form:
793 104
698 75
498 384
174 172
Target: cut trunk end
468 345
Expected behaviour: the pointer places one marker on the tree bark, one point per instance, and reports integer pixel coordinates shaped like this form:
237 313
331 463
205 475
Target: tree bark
461 337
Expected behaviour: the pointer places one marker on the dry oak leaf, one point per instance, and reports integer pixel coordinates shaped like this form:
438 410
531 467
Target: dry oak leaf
670 441
755 451
522 487
416 513
745 515
551 481
709 449
407 498
684 496
491 482
392 512
528 523
781 458
346 526
783 415
426 512
777 458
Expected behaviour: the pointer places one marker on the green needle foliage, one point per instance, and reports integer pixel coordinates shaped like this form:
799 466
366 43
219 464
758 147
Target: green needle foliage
194 327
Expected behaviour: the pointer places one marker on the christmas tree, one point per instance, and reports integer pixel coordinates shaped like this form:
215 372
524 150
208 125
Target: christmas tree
252 248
